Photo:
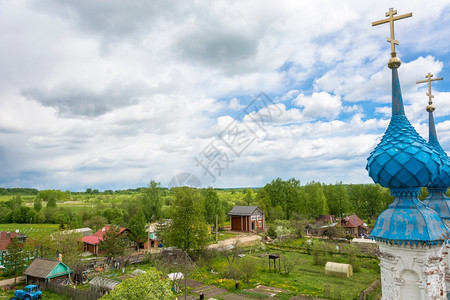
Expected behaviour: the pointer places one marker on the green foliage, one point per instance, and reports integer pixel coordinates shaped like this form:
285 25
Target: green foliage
337 199
68 244
213 206
17 191
137 228
249 196
37 204
14 258
114 215
271 232
96 222
188 229
248 268
423 193
152 202
113 243
147 286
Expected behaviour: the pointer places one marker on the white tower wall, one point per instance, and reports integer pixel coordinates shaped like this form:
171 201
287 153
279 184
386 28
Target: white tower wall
413 272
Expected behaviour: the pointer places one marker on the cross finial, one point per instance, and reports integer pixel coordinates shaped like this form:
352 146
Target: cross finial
430 96
393 62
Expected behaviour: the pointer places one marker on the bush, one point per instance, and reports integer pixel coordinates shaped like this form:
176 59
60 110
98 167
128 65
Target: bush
271 232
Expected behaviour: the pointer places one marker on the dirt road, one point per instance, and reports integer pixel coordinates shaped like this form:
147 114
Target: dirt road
243 240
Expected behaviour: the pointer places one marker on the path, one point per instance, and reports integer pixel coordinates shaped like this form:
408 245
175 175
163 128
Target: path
243 240
10 282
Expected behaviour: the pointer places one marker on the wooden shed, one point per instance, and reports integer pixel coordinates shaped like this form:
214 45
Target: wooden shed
41 271
247 218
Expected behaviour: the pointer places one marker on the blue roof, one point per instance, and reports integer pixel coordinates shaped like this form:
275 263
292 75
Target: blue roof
408 220
404 162
443 179
402 159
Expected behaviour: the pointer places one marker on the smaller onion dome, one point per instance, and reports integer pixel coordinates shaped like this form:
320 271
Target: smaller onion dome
402 159
443 179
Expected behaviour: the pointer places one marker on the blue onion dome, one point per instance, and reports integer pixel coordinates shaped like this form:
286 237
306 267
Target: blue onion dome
404 162
437 200
443 179
402 159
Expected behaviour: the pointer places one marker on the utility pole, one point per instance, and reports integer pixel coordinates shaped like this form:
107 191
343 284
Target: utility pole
217 227
185 275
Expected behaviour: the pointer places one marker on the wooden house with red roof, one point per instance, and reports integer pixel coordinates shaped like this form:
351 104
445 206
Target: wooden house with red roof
91 242
353 225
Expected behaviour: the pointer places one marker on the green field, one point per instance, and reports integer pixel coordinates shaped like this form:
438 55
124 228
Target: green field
30 229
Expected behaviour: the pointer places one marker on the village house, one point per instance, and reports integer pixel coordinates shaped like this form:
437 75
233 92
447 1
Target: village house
41 271
6 237
353 225
91 242
247 219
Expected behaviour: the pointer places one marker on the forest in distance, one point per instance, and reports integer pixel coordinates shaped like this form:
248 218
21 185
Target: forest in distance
280 199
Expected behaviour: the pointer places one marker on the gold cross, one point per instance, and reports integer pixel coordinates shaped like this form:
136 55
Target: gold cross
390 14
429 80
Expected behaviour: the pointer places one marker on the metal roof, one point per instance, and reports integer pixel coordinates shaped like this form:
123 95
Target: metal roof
244 210
44 268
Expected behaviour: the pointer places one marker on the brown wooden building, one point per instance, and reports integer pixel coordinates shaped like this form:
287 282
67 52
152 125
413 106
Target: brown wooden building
247 218
41 271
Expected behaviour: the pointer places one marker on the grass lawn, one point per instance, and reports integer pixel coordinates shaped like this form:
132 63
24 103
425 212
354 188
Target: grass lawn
30 229
306 278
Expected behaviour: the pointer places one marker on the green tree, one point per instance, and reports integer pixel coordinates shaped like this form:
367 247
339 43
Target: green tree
213 206
337 199
37 204
68 244
51 203
14 258
14 203
95 222
188 229
249 196
114 215
316 201
148 286
152 202
113 243
138 234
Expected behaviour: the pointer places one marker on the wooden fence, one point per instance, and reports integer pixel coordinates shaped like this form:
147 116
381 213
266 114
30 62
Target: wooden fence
363 295
71 292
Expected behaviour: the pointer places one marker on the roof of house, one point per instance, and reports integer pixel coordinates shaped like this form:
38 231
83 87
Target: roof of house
102 231
97 237
46 268
92 239
244 210
352 222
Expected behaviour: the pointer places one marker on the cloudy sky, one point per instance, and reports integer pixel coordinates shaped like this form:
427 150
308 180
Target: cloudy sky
111 94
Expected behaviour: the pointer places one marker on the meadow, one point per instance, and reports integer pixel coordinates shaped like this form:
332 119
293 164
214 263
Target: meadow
32 230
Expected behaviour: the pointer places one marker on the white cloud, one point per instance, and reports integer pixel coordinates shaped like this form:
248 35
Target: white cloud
319 105
235 104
